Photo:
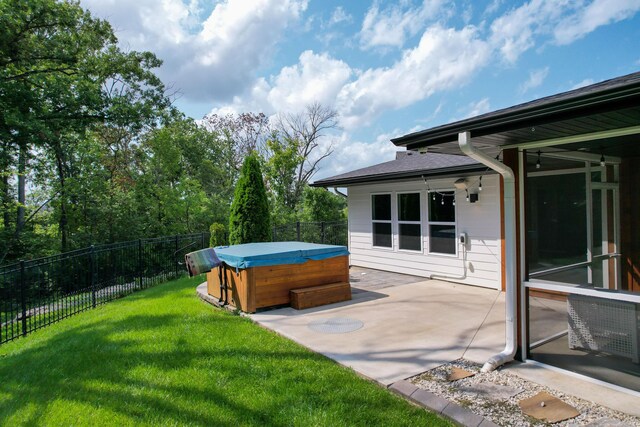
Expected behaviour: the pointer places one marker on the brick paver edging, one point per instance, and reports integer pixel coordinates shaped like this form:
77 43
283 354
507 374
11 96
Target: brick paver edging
439 405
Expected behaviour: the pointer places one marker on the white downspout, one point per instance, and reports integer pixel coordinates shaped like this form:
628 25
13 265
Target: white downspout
339 192
509 352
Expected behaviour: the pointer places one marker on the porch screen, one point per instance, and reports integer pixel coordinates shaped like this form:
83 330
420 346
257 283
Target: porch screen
381 218
409 225
442 222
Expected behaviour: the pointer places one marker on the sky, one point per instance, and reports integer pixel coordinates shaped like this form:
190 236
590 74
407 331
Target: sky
387 68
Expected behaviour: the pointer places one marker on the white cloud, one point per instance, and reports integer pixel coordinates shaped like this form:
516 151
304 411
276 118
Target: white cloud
477 108
596 14
535 79
392 25
339 15
211 60
315 78
583 83
473 109
564 20
443 59
467 14
214 57
493 7
350 155
514 32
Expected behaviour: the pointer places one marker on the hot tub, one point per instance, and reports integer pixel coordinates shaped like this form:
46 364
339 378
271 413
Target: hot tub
261 275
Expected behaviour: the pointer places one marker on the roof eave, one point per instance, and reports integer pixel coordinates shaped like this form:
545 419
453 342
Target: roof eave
508 120
369 179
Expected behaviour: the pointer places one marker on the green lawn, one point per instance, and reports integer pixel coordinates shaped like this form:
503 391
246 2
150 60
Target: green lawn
163 357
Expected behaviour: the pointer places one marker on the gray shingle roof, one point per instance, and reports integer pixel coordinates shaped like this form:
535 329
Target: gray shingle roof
406 165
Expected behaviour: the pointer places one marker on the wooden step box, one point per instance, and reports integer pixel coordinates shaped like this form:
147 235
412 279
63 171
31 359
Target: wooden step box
316 296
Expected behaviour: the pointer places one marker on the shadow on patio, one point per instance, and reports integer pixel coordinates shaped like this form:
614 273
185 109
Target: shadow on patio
409 325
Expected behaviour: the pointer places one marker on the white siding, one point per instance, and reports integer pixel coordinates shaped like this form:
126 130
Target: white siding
480 220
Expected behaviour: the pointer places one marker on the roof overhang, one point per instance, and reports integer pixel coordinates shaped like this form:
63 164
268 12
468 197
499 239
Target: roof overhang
599 117
460 171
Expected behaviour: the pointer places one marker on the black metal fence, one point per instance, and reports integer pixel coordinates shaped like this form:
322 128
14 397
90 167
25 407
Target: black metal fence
331 233
39 292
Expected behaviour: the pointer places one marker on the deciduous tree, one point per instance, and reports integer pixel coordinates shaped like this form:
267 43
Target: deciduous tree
308 129
61 73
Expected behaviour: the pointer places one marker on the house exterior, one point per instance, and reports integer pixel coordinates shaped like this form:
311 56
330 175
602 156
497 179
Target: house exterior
563 205
407 216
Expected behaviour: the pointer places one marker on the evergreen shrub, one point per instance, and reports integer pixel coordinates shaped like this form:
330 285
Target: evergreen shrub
249 220
218 235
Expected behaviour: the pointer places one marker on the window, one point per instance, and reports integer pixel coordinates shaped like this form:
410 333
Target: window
381 218
409 234
442 222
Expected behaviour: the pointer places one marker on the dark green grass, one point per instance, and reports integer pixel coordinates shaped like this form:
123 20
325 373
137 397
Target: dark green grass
163 357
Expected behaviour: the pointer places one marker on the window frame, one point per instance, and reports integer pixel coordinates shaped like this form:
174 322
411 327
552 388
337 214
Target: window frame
420 222
454 223
373 221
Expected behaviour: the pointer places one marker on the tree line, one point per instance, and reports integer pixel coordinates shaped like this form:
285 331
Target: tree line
92 149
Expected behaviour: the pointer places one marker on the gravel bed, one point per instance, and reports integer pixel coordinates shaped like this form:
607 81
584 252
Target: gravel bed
506 412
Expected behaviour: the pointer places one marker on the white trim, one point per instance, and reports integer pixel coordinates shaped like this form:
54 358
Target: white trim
381 221
524 309
605 186
580 290
442 254
589 207
556 172
429 223
590 187
584 377
632 130
617 233
584 156
419 222
604 225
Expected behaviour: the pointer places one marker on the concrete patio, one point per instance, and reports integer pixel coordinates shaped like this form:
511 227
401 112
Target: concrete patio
409 325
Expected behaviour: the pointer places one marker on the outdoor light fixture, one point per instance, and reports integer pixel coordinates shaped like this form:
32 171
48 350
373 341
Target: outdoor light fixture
538 162
480 184
467 198
602 162
461 184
